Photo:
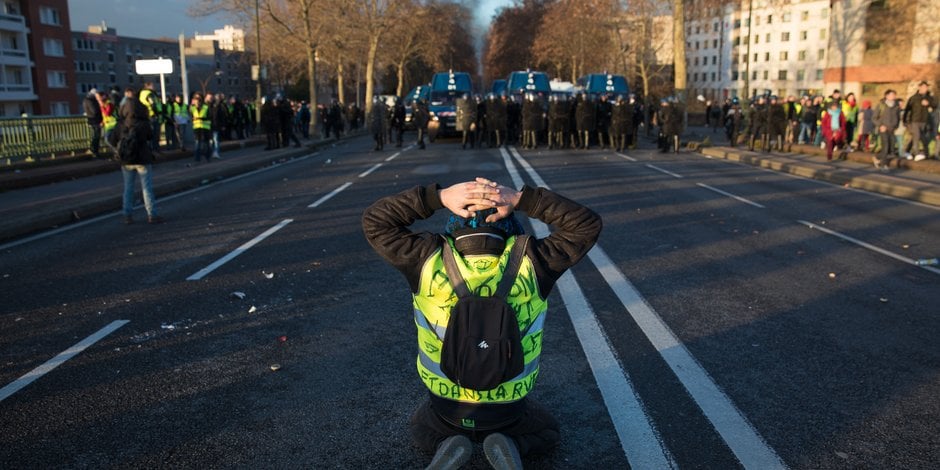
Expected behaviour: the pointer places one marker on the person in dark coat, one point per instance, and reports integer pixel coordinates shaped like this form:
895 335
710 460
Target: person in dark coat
513 120
558 111
421 116
336 118
93 114
532 117
586 120
481 119
621 123
377 123
496 119
670 125
776 125
466 120
135 133
734 120
270 123
285 117
603 121
757 119
887 118
397 121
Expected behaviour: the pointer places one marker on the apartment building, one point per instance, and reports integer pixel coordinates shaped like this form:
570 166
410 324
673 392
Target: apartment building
778 47
16 75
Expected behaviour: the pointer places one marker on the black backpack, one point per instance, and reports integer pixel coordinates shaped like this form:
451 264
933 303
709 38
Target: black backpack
482 347
128 146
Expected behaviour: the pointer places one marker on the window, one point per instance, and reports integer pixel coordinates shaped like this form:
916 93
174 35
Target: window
872 45
824 13
736 24
804 16
744 58
50 16
130 78
713 76
784 37
60 108
819 74
715 43
755 57
784 55
801 55
696 61
822 33
112 77
804 35
766 57
715 26
696 45
705 45
110 57
694 77
786 17
53 47
754 75
757 21
714 60
56 79
757 39
801 75
734 76
737 41
770 19
821 54
766 74
781 75
877 4
698 30
768 38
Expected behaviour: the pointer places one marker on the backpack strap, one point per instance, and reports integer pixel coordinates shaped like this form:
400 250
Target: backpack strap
453 273
512 267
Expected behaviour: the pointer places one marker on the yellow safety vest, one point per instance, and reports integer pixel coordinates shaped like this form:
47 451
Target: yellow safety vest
200 117
432 306
144 98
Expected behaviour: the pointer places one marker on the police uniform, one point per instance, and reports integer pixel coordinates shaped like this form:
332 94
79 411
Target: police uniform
466 120
586 120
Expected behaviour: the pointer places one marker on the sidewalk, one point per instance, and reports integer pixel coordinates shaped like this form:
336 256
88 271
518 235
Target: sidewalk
32 209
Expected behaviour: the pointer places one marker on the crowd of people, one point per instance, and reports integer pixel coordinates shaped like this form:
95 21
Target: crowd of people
890 128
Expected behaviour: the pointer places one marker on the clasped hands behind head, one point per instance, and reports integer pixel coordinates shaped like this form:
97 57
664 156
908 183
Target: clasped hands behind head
481 204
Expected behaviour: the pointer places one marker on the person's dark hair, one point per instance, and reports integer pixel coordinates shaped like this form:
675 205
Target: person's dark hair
888 93
130 90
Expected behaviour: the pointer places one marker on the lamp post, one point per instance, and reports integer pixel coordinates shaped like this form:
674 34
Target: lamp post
258 61
747 57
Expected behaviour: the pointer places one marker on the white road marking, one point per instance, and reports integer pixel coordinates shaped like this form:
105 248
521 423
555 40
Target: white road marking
160 199
225 259
739 198
393 156
330 195
59 359
663 171
729 422
638 437
627 157
370 170
869 246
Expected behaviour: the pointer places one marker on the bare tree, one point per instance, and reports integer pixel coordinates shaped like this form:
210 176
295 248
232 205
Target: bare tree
372 19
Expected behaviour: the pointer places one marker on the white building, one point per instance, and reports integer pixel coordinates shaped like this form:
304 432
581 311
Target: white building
16 81
780 48
229 37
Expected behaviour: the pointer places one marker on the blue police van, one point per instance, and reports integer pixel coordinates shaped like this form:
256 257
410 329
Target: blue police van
528 81
446 88
598 84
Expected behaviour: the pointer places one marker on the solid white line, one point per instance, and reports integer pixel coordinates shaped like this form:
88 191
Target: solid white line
638 437
370 170
393 156
626 157
869 246
99 218
729 422
663 171
225 259
746 201
731 425
59 359
536 178
330 195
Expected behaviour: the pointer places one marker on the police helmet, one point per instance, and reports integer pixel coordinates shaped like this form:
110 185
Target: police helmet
735 101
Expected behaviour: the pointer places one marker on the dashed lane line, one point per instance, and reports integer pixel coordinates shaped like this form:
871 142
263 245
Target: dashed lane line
330 195
733 196
868 246
661 170
733 427
59 359
639 439
225 259
626 157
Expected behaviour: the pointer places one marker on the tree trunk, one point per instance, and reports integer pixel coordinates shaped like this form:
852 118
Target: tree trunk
678 44
340 87
311 77
401 77
370 71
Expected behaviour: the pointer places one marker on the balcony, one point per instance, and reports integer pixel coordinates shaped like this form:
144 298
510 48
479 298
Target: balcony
16 23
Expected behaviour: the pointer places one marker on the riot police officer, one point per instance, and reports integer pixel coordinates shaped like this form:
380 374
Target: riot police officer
532 117
621 123
603 121
776 125
557 121
496 119
586 120
421 117
466 120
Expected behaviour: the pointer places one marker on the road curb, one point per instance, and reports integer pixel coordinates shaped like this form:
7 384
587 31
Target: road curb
85 209
877 183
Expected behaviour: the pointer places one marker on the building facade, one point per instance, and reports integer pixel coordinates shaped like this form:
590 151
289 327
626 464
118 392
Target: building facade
780 47
16 72
229 37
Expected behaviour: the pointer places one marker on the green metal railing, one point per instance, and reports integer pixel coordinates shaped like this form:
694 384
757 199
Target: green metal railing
32 138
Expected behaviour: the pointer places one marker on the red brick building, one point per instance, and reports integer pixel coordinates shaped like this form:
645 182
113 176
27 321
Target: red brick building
50 47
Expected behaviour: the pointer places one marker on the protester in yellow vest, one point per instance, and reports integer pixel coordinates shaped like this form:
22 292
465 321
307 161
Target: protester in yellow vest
482 234
201 127
151 102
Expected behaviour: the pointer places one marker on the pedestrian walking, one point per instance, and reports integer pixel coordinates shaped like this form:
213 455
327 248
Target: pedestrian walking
917 117
866 126
886 118
471 394
270 123
136 156
92 111
109 119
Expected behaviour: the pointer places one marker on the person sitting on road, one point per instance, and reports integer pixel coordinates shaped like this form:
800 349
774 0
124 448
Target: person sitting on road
478 246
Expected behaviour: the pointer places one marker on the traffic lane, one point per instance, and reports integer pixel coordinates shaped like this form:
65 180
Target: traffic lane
216 347
895 225
764 284
65 286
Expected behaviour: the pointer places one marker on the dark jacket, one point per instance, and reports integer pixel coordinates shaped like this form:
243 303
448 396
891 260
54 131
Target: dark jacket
916 111
92 110
586 115
532 116
888 116
218 115
466 114
136 118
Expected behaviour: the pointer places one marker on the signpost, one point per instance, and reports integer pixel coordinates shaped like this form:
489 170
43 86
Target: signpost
159 66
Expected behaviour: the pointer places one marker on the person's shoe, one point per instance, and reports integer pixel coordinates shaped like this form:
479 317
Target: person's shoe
876 162
501 452
155 219
128 220
452 453
920 157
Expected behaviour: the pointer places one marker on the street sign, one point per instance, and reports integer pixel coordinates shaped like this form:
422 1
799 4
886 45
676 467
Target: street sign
153 66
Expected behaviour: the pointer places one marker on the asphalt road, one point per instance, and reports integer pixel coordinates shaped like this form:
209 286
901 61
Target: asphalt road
704 331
